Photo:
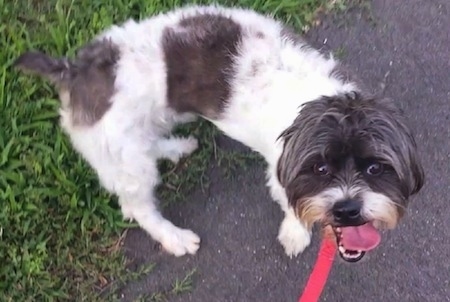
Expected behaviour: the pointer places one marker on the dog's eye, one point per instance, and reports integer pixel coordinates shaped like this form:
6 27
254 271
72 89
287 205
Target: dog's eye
321 169
374 169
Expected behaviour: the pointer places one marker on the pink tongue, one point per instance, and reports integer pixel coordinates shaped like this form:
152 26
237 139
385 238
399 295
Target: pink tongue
360 238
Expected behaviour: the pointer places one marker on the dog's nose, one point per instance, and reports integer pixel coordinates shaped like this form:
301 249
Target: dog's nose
347 212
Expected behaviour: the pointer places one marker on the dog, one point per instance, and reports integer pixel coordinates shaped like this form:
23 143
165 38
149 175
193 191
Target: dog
336 155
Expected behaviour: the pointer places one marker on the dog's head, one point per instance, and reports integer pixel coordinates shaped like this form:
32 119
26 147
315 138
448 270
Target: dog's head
351 163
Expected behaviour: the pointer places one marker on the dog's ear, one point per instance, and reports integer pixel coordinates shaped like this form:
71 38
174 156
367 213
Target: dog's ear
418 174
55 70
405 145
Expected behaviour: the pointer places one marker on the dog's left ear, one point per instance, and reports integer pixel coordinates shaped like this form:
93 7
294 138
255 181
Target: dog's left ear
418 174
407 145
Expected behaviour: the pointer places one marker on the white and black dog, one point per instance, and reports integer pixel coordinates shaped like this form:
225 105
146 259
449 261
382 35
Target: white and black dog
335 155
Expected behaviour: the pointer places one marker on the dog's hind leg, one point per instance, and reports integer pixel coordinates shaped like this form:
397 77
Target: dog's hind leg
174 148
135 186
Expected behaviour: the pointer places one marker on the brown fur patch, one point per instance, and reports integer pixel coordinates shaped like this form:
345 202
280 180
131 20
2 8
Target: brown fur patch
92 81
309 213
199 56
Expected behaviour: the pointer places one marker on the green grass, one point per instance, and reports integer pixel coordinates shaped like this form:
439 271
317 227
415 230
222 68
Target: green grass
179 287
60 233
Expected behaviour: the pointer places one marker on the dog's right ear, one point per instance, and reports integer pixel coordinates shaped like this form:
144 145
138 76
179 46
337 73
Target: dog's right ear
55 70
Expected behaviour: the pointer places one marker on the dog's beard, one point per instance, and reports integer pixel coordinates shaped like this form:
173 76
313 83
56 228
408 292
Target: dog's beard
329 155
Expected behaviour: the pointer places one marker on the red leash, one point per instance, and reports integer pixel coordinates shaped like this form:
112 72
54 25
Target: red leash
321 270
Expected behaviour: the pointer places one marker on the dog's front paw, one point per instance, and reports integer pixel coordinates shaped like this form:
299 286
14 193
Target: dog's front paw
293 236
180 242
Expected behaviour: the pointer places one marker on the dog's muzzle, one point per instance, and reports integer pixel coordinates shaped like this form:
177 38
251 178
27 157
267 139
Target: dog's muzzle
354 235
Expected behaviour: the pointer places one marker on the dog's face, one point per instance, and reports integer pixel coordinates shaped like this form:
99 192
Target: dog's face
350 162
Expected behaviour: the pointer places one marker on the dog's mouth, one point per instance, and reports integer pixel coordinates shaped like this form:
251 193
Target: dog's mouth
354 241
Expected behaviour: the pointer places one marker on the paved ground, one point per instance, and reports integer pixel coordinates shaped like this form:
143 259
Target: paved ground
240 259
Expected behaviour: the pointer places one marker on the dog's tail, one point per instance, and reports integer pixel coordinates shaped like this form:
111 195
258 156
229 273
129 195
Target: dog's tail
98 54
54 69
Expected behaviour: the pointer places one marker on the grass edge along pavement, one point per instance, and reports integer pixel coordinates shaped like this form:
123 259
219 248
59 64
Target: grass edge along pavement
60 233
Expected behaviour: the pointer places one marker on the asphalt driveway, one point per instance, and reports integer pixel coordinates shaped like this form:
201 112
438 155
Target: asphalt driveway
400 49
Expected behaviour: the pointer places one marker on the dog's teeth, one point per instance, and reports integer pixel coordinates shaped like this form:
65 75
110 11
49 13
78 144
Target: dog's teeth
349 255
